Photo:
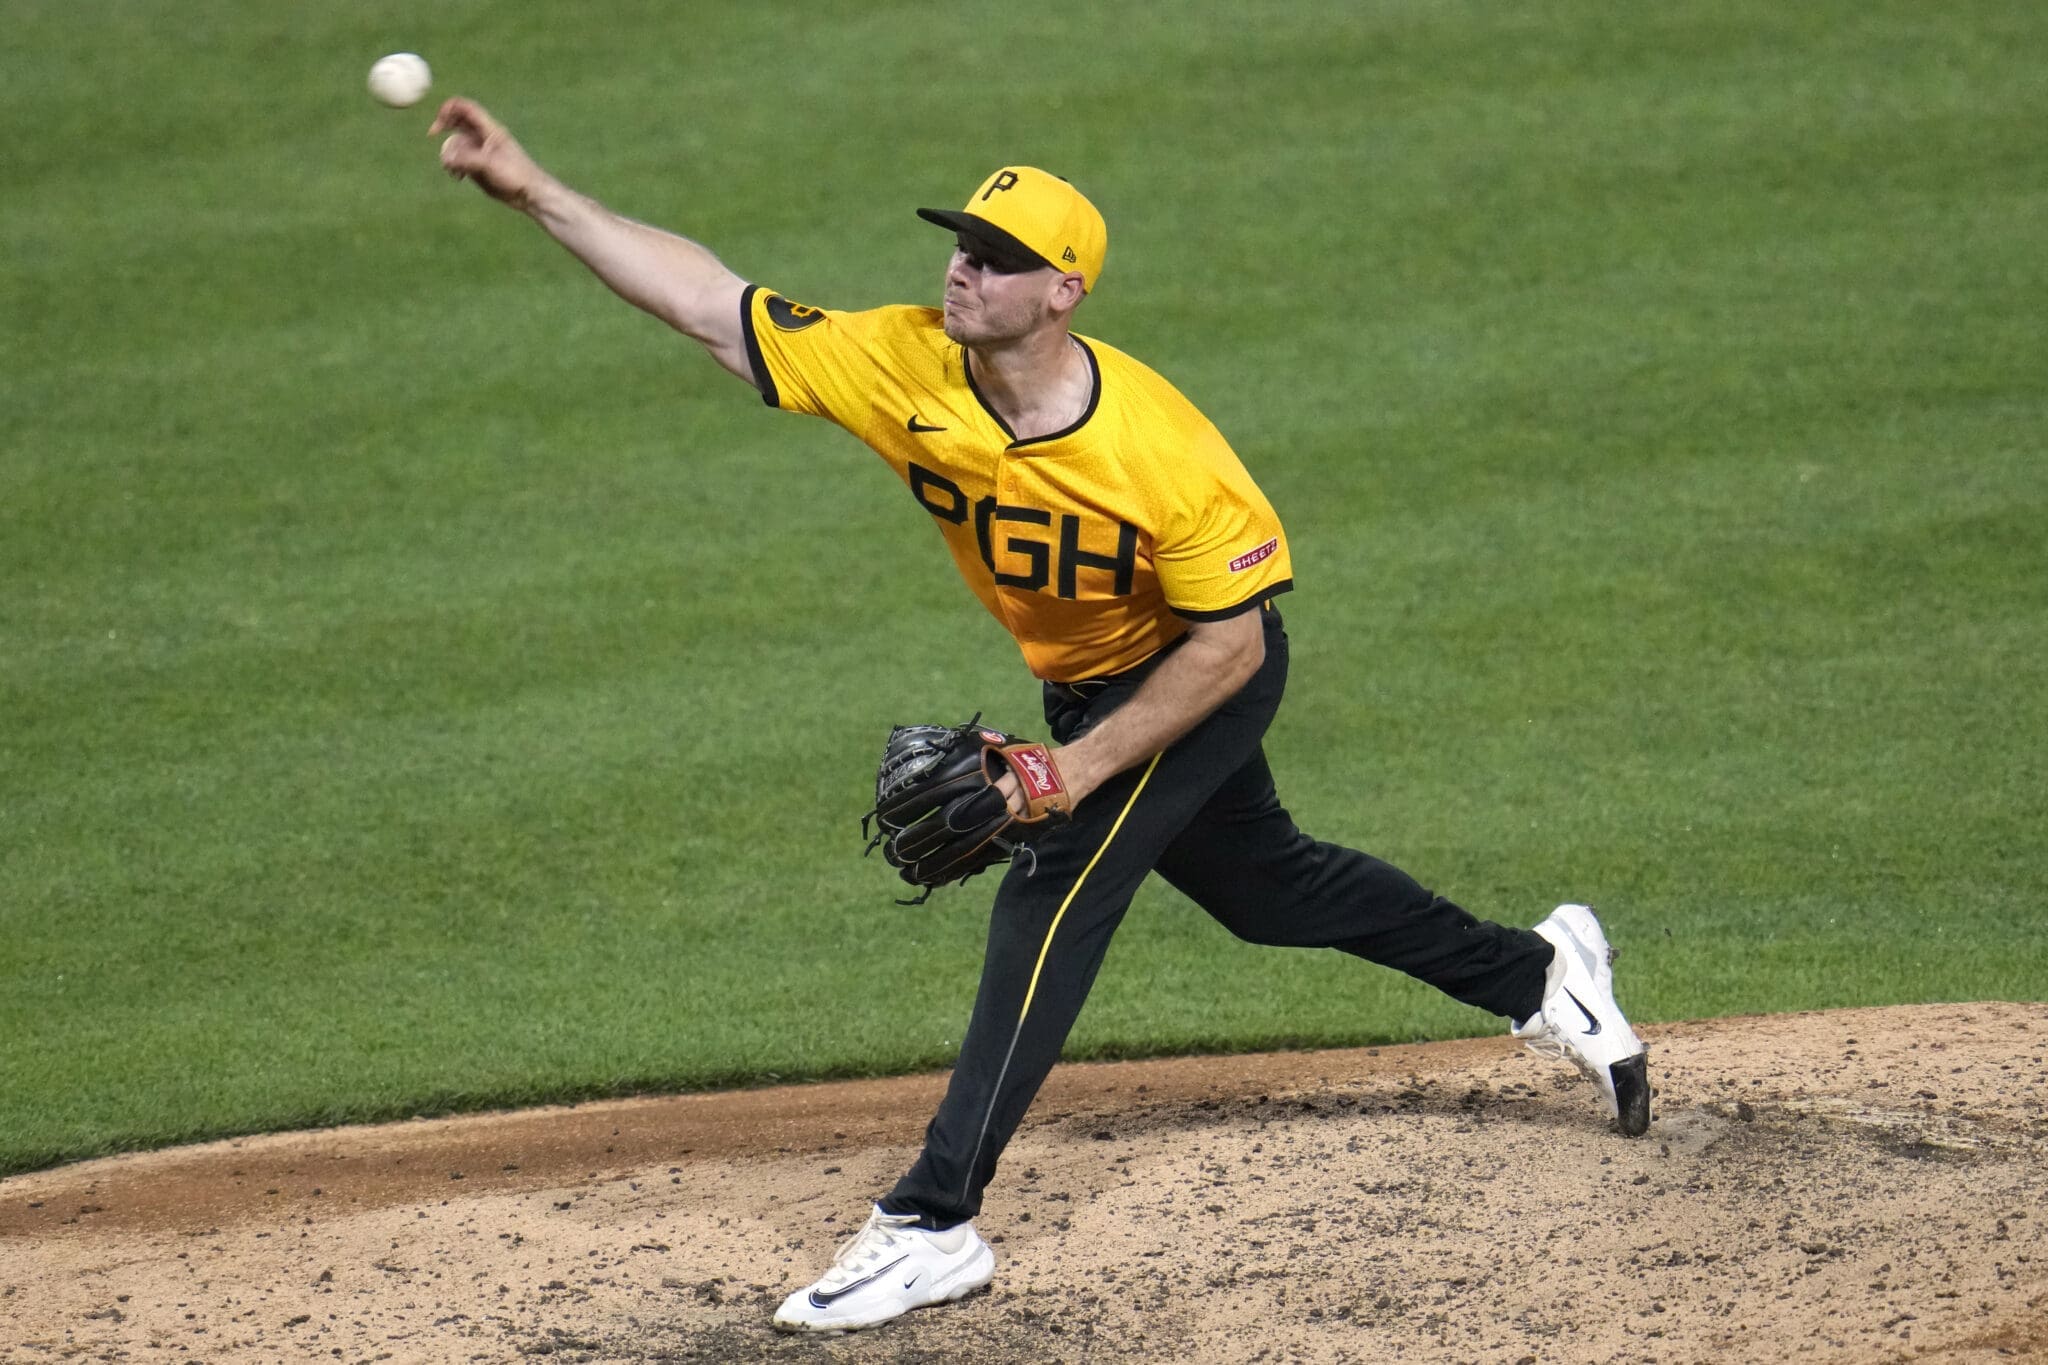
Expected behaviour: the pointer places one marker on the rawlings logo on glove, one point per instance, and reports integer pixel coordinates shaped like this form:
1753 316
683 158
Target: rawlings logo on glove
939 816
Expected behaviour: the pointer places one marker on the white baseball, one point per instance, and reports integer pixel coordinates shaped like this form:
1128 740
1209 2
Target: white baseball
401 79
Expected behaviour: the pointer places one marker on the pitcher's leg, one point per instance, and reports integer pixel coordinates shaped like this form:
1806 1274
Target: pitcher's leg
1244 861
1049 931
1045 945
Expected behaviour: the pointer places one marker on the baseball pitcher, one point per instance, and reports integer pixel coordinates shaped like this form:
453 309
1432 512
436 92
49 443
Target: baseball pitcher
1111 529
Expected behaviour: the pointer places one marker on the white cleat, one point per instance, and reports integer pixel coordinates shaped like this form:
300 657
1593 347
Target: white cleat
886 1269
1581 1023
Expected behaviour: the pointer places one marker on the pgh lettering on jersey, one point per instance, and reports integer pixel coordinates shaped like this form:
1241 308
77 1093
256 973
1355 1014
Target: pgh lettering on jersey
1094 546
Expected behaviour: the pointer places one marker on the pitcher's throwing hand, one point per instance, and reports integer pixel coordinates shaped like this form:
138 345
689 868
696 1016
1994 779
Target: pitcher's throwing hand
478 148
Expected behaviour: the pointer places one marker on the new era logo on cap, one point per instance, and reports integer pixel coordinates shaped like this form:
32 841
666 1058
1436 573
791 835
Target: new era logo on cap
1036 214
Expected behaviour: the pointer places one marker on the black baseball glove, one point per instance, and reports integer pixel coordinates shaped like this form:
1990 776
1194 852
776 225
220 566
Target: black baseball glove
939 816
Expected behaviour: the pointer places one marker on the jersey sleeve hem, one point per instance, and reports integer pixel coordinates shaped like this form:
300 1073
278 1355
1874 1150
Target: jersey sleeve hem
1257 599
758 363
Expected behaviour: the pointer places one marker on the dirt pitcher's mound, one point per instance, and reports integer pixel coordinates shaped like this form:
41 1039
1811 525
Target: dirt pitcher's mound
1863 1185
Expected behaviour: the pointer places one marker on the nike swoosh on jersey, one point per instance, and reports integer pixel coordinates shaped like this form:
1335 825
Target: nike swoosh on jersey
914 425
826 1300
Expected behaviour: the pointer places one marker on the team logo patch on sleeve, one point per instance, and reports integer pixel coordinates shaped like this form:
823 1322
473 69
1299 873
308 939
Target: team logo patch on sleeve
1251 557
792 317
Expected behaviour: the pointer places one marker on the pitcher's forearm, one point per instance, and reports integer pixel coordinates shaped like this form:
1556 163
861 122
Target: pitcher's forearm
1188 685
669 276
658 272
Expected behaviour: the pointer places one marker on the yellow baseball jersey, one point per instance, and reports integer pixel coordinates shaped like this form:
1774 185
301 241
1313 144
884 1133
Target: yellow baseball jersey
1094 546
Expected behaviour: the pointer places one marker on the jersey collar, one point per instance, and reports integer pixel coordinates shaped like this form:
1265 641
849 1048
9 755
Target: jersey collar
1094 398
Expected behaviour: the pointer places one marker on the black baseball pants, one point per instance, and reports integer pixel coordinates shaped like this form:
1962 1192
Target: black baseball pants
1204 814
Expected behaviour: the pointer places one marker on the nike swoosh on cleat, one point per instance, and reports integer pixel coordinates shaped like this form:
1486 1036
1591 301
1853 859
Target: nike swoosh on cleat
914 425
1592 1024
826 1300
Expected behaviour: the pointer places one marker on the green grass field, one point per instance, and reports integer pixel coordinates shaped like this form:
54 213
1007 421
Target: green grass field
427 684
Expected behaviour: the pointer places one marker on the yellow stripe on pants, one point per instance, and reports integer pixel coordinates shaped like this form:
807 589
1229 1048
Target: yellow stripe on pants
1075 890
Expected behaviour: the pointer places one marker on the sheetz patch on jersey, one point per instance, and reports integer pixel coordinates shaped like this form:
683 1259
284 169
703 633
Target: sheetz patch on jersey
1251 557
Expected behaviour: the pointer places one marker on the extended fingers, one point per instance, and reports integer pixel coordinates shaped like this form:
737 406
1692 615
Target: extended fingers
1013 794
454 112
